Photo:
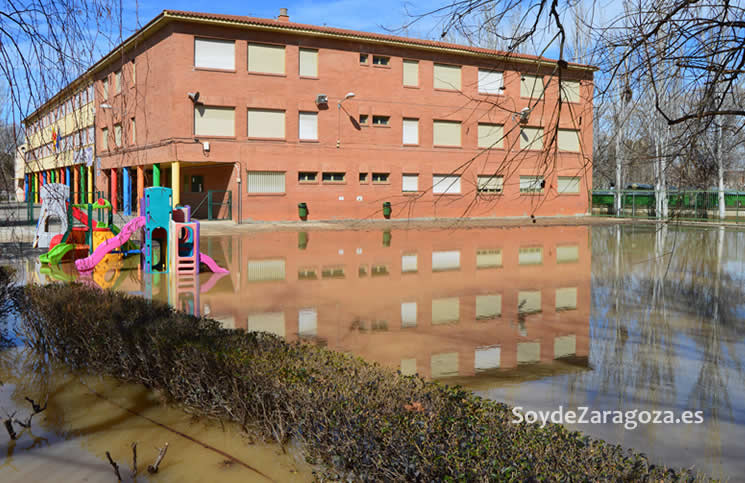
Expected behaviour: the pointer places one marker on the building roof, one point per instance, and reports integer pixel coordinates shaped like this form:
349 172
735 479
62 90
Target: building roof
167 16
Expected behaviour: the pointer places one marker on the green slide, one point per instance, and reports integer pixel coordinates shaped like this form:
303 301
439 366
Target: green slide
54 255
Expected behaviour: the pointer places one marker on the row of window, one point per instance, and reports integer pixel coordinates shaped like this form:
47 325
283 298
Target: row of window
119 135
69 106
273 182
116 80
76 140
270 59
270 124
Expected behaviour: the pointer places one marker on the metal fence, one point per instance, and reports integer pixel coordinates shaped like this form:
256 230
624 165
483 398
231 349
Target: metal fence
697 205
214 205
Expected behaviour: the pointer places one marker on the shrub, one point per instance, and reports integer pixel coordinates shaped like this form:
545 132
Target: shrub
355 419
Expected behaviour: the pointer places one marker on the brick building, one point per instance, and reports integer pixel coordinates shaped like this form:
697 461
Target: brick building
279 113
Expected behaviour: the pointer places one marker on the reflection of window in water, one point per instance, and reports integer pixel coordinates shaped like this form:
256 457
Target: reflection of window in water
307 322
529 302
488 306
487 358
272 322
408 314
378 270
265 270
445 260
564 346
362 271
307 274
567 253
332 272
528 352
408 367
444 365
566 298
445 310
227 321
409 263
530 256
488 258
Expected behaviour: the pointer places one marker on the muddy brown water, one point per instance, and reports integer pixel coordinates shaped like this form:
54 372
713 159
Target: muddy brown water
626 317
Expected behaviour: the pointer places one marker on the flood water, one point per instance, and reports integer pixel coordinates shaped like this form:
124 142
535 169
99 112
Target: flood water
606 317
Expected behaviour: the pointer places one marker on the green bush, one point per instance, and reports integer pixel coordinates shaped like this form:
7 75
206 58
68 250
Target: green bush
355 419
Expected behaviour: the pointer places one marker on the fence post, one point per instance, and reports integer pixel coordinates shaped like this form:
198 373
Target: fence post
209 205
230 205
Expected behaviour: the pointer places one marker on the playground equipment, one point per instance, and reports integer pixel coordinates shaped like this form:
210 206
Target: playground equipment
169 242
54 198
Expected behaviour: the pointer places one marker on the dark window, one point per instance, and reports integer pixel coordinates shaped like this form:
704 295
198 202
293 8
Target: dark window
363 58
380 177
363 118
363 177
197 184
333 177
381 120
306 176
381 60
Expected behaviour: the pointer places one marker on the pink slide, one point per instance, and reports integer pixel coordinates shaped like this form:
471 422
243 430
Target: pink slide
214 267
87 264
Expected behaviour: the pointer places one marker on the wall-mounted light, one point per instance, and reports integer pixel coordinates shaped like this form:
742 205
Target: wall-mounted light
194 96
105 106
348 96
338 118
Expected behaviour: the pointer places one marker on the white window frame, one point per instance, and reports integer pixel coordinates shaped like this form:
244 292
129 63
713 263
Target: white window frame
410 183
488 79
206 60
308 126
410 130
446 184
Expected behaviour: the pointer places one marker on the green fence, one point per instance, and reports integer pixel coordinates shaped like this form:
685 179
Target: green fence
682 204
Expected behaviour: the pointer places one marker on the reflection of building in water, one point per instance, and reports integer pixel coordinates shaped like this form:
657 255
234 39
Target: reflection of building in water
439 302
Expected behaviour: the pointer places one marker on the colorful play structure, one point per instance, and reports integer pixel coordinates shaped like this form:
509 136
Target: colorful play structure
169 240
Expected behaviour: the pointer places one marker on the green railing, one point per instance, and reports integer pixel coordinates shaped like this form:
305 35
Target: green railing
682 204
217 199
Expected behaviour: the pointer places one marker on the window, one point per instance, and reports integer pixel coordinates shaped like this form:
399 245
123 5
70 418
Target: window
332 272
134 72
90 134
266 59
442 261
488 258
531 138
197 184
118 81
380 177
411 131
446 133
490 82
531 86
565 345
308 63
568 184
105 86
333 177
447 77
381 60
490 183
411 73
363 178
530 256
491 136
363 59
568 140
265 182
446 184
570 91
214 54
307 322
528 352
566 298
443 365
265 270
105 138
381 120
378 270
118 135
265 123
214 121
308 126
488 306
410 183
306 176
485 358
133 131
532 184
363 118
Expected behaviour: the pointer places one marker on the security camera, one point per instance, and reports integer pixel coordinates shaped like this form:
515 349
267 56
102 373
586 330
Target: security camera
194 96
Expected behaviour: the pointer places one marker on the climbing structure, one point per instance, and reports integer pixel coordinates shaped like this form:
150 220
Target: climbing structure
54 198
183 256
156 207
